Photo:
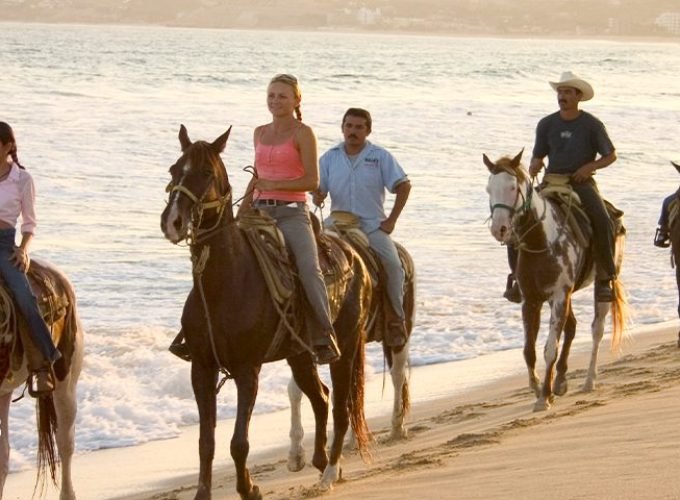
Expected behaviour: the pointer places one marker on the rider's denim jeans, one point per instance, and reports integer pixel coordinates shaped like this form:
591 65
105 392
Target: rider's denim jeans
17 282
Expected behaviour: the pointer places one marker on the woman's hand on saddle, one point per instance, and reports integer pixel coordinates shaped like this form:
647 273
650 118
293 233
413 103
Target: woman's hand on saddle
583 174
20 259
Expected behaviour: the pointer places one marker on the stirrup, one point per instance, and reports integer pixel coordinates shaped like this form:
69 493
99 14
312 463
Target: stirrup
327 353
662 239
512 291
181 350
41 382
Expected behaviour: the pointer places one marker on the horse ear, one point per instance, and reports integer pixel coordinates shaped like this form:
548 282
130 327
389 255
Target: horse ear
677 167
221 142
515 161
489 164
184 137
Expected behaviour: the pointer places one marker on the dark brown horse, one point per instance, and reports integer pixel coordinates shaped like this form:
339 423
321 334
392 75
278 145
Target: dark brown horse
230 321
55 412
553 264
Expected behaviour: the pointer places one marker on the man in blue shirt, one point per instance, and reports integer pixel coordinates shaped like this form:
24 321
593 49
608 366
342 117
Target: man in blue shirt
356 174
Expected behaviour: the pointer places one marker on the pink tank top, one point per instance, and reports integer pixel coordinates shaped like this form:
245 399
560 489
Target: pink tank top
279 162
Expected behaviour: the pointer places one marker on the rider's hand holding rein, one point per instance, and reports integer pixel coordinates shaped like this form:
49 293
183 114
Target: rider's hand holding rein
535 166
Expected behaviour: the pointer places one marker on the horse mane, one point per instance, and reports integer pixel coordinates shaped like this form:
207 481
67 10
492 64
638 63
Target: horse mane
203 153
505 164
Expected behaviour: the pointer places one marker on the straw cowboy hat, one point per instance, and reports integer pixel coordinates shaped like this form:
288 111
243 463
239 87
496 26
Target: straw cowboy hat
569 79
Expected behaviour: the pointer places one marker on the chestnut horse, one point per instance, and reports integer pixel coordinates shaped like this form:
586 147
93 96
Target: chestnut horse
56 412
552 265
230 320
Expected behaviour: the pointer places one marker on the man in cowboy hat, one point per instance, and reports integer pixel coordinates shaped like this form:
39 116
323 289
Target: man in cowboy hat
572 139
662 238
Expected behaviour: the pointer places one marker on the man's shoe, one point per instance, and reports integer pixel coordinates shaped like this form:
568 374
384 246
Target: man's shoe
603 291
396 335
512 291
662 238
181 350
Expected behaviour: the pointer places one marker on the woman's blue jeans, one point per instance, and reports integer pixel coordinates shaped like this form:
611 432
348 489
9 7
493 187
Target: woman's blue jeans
17 283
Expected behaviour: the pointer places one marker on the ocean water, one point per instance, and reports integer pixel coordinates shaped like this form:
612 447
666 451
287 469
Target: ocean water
96 110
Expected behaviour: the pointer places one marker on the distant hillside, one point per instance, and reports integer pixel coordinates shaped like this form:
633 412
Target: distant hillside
512 17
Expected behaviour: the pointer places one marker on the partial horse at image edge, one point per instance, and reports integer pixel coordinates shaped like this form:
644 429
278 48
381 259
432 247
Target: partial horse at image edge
56 412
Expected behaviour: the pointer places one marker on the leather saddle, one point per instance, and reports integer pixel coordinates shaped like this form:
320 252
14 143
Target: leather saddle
280 272
346 224
556 187
54 299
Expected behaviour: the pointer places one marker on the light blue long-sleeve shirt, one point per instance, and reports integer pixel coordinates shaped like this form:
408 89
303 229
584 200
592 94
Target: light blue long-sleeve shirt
359 186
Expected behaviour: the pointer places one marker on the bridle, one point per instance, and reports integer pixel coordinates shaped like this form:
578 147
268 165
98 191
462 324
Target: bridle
199 206
199 260
525 204
517 212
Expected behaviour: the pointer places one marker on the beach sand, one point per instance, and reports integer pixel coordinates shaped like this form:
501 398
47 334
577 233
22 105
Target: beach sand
467 439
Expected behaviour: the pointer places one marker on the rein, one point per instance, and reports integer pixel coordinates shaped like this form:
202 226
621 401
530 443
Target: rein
196 236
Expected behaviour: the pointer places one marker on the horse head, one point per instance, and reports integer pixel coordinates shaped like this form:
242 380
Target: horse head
509 192
198 182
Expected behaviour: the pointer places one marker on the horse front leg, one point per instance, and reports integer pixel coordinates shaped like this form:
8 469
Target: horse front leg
296 452
560 386
531 317
4 439
399 374
558 317
597 331
307 379
204 383
246 388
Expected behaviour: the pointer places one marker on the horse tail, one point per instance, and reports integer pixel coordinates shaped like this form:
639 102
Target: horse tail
47 461
357 414
619 314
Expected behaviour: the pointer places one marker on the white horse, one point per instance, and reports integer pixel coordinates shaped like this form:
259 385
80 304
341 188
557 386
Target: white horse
397 358
56 412
553 263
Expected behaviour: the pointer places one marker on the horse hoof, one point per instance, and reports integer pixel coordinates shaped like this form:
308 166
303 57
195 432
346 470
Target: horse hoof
560 388
588 386
541 405
400 434
296 463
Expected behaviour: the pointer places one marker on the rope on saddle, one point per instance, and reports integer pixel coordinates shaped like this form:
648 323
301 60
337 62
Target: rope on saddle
557 187
347 225
8 319
269 247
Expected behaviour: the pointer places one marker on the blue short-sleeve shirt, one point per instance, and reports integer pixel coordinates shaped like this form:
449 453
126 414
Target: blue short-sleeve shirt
359 186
